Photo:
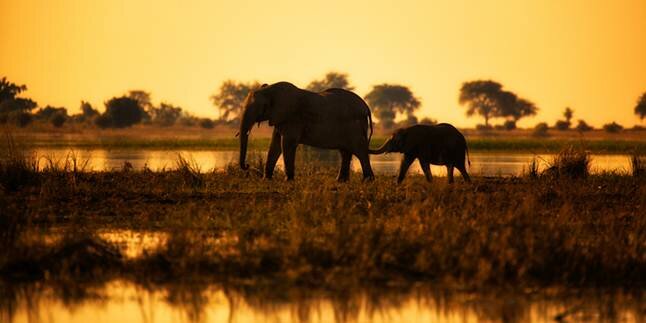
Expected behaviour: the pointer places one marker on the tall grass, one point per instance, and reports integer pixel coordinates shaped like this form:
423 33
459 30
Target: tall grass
638 165
572 163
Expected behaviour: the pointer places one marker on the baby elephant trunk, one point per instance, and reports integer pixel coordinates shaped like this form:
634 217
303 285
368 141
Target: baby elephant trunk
383 149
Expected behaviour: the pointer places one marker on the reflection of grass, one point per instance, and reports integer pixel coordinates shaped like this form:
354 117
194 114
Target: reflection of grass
475 144
315 231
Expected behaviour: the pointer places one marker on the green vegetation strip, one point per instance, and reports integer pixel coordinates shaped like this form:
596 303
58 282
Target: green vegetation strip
479 144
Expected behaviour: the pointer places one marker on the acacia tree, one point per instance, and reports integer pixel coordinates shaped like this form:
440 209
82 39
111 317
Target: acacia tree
331 80
482 97
230 97
487 98
640 108
386 100
13 107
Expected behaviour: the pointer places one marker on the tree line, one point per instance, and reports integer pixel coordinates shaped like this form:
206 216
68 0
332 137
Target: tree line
486 98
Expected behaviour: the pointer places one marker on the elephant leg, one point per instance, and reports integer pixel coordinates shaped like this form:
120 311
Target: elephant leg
364 159
449 173
346 159
289 156
272 156
464 173
403 167
426 168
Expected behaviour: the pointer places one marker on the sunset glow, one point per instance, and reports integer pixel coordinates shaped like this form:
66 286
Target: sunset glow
588 55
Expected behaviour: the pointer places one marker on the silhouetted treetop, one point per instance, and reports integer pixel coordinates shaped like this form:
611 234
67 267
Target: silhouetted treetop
488 99
121 112
386 100
640 108
230 97
331 80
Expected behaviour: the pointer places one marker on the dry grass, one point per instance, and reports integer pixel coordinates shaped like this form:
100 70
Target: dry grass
317 232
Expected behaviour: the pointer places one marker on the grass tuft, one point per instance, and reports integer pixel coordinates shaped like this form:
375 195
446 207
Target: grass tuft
572 163
638 165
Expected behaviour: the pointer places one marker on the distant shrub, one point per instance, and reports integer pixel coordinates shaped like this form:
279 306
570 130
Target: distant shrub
638 128
509 125
103 121
540 130
562 125
123 112
499 127
207 123
58 119
20 118
483 127
612 127
582 126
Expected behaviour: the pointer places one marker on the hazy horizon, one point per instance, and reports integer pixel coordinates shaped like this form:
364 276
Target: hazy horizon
588 55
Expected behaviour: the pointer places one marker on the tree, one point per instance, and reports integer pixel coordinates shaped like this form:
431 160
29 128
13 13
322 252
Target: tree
387 100
583 126
487 98
230 97
481 97
88 113
331 80
121 112
612 127
640 108
565 124
12 108
165 115
58 119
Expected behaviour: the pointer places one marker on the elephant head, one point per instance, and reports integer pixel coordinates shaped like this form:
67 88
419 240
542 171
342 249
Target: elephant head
270 103
395 144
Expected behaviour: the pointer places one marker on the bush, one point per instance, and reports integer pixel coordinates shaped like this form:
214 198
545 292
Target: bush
58 119
540 130
123 112
20 119
562 125
207 123
509 125
428 121
612 127
637 128
583 126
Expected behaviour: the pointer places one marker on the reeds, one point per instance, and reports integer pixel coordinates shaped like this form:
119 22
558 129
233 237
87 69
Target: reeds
572 163
638 165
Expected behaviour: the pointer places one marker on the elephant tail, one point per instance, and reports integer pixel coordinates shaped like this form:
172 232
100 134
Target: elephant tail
370 122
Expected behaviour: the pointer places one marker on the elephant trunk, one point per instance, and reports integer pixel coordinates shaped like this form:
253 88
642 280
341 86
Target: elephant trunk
382 149
245 127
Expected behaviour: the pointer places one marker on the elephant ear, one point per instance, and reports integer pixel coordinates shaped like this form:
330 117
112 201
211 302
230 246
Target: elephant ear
408 143
283 105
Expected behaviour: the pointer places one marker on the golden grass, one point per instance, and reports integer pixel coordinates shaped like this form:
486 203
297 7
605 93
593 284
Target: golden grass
585 231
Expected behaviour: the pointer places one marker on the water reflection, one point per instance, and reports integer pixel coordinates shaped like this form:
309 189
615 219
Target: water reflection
482 163
122 301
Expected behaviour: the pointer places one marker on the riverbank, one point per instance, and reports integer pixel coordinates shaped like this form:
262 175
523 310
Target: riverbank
540 230
224 139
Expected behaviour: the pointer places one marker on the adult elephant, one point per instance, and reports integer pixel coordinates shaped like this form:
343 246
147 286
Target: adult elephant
440 144
332 119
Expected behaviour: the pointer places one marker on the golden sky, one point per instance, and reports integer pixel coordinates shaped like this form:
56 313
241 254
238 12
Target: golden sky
589 55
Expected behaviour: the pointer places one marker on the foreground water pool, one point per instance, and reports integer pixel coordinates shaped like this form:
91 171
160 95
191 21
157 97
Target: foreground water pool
482 163
122 301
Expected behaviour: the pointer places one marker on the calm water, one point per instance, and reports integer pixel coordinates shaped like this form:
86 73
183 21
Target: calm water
124 301
484 164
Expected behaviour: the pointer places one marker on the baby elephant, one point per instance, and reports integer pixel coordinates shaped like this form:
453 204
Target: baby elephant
440 144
